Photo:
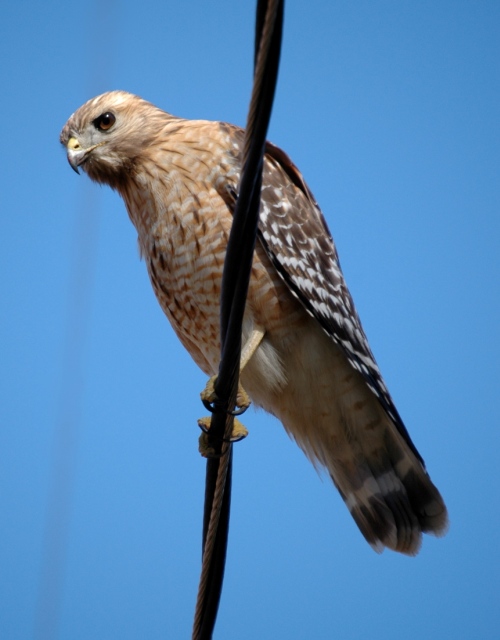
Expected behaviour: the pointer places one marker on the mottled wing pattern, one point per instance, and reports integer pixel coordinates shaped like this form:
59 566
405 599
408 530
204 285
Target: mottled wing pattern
295 235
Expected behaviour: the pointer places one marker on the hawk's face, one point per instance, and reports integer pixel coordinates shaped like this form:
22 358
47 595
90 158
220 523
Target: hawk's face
106 135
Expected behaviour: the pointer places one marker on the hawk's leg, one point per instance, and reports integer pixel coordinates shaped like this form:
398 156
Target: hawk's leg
251 346
208 395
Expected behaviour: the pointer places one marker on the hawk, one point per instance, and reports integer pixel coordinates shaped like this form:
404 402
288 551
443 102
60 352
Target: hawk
305 357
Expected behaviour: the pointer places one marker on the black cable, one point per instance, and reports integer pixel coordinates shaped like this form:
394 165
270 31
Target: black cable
235 281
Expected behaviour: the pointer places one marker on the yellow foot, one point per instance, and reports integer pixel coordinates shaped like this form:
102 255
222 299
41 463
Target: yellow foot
206 449
208 396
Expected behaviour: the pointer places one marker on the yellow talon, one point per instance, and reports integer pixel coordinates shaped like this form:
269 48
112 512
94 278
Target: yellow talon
205 448
209 396
239 431
242 398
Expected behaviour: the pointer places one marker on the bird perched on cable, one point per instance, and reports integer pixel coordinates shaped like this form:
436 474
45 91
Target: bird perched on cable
305 357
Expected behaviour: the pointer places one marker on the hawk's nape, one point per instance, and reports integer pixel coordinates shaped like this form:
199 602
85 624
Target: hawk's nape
310 365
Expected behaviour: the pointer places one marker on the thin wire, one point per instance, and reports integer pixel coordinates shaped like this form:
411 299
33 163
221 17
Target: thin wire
68 420
235 280
69 409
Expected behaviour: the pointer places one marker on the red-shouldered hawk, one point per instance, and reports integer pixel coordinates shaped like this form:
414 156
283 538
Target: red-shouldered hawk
309 360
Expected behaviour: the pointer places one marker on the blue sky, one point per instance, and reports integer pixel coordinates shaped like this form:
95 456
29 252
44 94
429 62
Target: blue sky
391 110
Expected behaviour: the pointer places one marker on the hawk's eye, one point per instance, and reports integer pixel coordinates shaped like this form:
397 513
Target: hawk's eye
105 121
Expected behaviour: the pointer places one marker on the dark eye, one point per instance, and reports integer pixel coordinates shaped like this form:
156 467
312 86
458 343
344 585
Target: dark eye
105 121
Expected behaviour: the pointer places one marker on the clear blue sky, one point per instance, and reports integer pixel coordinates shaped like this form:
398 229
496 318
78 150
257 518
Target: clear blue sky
391 110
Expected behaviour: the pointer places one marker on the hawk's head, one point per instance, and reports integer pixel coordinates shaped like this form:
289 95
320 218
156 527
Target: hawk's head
108 133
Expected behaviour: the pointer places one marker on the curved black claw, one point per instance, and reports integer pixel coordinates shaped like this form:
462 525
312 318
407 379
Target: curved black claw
210 406
238 411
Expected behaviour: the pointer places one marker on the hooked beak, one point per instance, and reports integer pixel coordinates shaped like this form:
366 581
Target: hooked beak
77 154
